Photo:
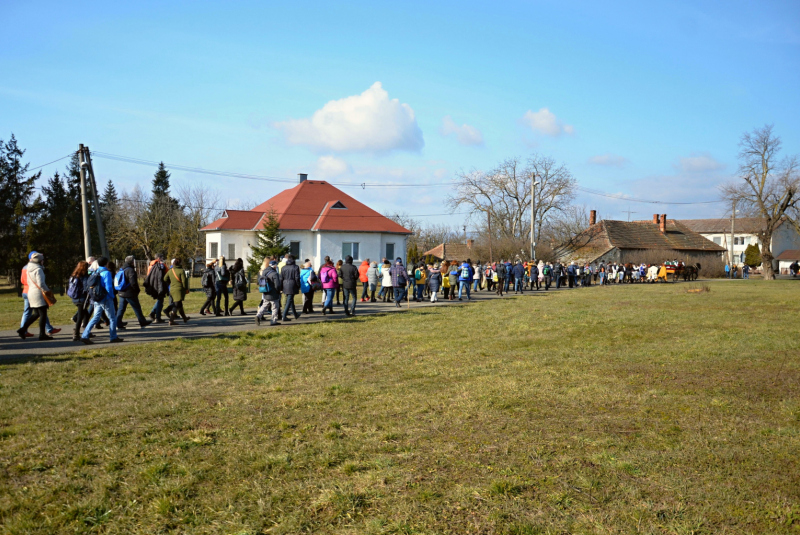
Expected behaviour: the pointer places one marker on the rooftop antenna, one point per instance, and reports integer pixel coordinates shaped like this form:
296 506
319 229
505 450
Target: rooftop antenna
628 211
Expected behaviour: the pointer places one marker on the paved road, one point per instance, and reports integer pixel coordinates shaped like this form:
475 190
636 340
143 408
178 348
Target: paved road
12 347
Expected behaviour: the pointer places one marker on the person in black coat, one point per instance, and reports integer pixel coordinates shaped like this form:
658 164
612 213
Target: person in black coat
290 282
129 295
239 280
534 269
350 278
210 277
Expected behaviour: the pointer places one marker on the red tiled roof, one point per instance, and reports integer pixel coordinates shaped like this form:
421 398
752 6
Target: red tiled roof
450 251
314 205
789 254
236 220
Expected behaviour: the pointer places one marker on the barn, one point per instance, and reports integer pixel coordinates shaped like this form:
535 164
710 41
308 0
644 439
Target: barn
638 241
316 220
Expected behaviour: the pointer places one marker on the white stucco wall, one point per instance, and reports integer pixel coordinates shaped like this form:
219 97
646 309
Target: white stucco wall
785 237
313 245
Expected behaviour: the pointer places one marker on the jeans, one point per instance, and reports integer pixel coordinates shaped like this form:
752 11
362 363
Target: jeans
508 283
289 304
107 306
399 293
462 286
329 292
137 309
518 285
365 290
222 289
26 313
476 285
157 308
746 275
558 281
420 290
348 293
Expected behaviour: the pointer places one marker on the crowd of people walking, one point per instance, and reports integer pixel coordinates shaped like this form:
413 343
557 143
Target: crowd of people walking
101 292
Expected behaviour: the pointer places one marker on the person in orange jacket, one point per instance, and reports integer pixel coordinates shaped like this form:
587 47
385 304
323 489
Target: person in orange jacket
364 278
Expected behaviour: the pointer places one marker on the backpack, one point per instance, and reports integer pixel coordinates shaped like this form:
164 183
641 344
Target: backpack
75 290
263 283
206 281
121 282
418 274
240 281
324 276
312 277
96 288
465 272
546 270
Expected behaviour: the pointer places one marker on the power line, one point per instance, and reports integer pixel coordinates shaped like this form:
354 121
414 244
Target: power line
48 163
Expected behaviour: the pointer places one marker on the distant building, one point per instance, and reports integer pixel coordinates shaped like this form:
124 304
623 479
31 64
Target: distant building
638 241
316 220
746 231
786 259
451 251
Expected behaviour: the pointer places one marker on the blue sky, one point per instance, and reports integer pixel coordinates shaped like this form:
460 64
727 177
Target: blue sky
644 100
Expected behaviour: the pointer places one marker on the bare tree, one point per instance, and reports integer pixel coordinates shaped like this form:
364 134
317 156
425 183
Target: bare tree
567 223
555 191
768 187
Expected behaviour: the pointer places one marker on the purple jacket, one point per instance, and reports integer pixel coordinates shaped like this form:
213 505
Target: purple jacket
333 277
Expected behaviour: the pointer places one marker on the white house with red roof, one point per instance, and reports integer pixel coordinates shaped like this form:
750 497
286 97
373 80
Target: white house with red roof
316 220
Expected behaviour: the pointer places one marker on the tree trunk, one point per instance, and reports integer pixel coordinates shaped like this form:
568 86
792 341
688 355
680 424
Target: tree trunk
767 273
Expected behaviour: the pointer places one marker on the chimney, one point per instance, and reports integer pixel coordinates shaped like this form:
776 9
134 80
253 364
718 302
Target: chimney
592 218
663 225
655 219
303 177
469 243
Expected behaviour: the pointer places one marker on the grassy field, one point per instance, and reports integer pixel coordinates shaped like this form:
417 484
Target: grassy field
611 410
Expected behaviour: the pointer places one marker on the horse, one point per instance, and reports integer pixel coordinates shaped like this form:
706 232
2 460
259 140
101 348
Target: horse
691 272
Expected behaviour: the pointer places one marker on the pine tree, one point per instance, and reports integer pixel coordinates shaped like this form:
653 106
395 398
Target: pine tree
17 206
110 199
752 255
270 243
161 191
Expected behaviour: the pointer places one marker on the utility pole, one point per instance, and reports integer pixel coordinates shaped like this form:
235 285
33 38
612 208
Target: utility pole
489 220
100 230
733 226
87 237
533 213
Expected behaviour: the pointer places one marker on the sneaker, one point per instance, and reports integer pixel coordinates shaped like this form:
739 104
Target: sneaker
86 341
29 335
187 318
273 323
146 323
55 331
117 340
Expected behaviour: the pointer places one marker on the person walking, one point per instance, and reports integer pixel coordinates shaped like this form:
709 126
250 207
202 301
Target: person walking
239 283
349 283
178 288
547 272
534 269
364 279
101 286
445 271
453 277
269 284
434 282
519 277
76 290
372 280
126 283
386 281
330 281
26 308
223 277
558 270
291 285
420 281
465 279
501 277
38 296
154 286
399 281
339 265
209 281
308 279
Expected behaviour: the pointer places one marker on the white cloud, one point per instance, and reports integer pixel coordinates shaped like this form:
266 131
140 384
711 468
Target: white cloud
465 134
331 166
699 163
369 122
545 122
609 160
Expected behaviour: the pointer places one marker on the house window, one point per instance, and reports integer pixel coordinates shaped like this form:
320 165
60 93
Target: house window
717 240
232 251
351 249
390 251
294 248
213 249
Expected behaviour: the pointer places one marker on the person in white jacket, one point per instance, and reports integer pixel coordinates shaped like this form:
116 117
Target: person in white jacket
36 288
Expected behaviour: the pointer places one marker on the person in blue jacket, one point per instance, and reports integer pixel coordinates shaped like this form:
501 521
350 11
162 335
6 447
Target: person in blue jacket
519 276
465 275
106 304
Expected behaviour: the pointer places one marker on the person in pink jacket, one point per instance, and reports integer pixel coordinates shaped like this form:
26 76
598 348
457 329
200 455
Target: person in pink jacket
330 281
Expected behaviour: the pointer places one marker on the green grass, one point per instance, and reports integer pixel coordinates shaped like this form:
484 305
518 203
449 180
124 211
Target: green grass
618 410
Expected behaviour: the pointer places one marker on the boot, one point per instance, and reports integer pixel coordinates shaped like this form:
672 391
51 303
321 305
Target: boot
202 312
172 318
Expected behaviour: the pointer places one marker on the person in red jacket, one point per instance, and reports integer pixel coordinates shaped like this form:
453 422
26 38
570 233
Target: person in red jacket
364 278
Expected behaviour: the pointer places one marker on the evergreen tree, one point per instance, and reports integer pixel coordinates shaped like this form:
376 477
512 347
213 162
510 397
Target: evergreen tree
269 243
161 193
110 199
752 255
16 205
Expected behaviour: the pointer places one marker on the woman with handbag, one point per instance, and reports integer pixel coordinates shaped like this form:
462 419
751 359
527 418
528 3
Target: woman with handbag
39 296
178 287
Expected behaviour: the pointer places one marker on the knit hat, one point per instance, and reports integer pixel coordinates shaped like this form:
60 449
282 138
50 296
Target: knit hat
31 254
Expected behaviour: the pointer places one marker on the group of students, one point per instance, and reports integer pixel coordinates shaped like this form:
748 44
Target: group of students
101 294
